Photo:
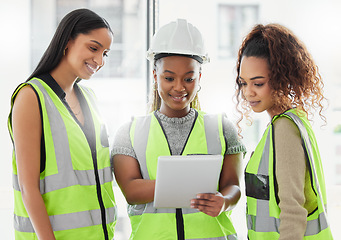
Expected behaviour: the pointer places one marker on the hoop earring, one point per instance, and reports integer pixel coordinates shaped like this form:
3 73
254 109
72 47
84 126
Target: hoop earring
199 88
64 52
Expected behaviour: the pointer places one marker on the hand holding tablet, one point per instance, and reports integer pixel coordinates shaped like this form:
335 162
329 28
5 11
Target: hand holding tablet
180 178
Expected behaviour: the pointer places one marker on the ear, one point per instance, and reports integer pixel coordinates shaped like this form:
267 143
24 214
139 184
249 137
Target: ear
70 42
155 76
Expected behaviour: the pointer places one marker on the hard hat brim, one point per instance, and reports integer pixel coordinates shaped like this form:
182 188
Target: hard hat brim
162 55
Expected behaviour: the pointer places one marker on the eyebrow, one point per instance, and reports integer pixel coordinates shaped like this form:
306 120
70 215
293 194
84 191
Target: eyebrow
97 42
254 78
168 71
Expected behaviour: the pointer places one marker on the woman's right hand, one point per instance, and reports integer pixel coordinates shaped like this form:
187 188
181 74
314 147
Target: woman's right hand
209 203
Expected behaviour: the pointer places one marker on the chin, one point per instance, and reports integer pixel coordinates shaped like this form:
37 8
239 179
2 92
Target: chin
85 77
258 110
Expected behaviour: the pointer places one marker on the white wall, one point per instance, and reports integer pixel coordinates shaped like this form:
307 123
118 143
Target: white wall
14 65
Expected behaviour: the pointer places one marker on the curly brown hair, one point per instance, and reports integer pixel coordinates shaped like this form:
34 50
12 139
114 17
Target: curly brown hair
294 76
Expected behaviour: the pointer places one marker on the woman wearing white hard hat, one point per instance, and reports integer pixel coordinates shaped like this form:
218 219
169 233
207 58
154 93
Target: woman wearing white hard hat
176 126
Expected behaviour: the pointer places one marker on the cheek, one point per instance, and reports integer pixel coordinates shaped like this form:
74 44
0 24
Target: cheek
241 92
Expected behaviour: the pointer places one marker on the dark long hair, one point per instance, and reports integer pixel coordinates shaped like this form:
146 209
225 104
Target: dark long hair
79 21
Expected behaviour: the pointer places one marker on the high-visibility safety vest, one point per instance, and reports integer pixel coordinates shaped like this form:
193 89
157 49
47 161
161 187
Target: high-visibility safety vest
261 187
149 142
76 185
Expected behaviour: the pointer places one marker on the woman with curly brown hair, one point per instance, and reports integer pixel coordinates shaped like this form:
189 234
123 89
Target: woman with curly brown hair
285 188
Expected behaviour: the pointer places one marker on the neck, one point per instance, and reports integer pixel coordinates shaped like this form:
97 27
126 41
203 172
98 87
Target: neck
172 113
63 77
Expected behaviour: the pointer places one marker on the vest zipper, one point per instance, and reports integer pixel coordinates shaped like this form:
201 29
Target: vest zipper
180 228
99 196
91 138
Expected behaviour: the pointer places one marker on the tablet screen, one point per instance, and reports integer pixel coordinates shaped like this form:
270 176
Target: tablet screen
180 178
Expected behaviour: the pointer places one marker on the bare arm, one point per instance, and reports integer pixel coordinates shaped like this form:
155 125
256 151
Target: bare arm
229 191
27 132
128 176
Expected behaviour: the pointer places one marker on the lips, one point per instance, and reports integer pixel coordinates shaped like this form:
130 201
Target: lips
92 68
178 98
254 103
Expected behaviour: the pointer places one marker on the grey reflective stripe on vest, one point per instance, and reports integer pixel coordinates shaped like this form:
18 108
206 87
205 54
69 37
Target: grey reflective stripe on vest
66 175
91 97
263 222
212 134
68 221
229 237
134 210
140 146
140 142
306 139
59 181
139 209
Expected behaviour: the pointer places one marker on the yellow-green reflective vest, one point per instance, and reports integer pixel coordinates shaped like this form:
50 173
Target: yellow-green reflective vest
76 184
149 142
262 205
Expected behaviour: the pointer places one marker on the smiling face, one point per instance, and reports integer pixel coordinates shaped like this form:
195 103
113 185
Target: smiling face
177 79
85 54
254 82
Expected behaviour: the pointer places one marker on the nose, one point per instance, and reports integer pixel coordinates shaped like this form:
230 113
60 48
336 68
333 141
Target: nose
178 85
248 91
99 60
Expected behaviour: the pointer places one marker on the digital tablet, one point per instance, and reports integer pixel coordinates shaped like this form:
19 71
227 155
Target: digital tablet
180 178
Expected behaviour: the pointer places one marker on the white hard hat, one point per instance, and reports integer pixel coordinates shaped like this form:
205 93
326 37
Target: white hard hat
175 38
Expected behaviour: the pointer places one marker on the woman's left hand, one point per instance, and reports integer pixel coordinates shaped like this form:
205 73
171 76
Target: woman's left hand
209 203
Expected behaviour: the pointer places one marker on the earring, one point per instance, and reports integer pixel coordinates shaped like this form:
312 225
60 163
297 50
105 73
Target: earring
64 52
199 88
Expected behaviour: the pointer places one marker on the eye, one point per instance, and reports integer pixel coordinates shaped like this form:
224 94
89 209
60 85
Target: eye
259 84
241 84
93 49
189 79
105 54
170 79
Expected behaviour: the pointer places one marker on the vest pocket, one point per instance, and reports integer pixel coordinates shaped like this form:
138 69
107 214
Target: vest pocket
257 186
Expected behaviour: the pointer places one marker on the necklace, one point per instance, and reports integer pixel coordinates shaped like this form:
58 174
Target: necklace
75 107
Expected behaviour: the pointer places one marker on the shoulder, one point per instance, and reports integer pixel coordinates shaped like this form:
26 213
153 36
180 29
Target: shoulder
233 141
24 94
284 126
123 130
229 127
122 143
25 114
227 121
287 140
